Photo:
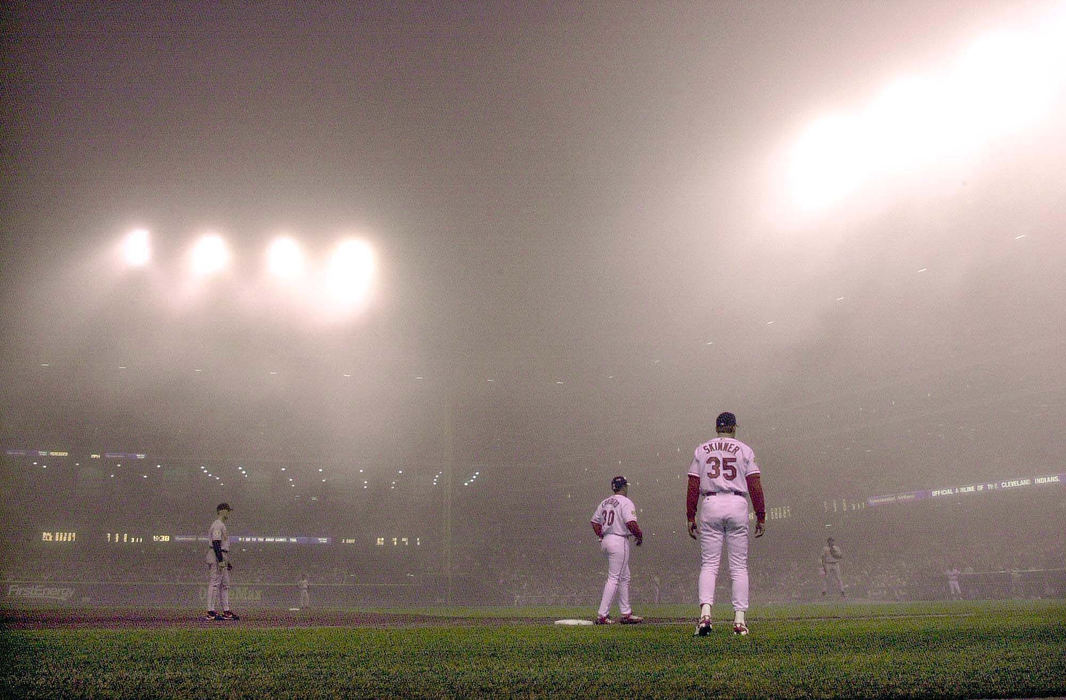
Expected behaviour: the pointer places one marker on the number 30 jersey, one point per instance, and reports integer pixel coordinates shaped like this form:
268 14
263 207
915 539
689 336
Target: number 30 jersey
723 464
613 514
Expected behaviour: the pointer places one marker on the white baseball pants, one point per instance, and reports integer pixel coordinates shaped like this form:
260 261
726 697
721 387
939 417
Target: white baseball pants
616 549
724 518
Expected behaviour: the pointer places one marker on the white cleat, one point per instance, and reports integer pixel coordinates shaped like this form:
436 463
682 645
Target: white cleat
739 628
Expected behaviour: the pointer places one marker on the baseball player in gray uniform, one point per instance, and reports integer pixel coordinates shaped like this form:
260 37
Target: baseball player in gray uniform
305 595
723 473
953 583
830 559
614 522
219 567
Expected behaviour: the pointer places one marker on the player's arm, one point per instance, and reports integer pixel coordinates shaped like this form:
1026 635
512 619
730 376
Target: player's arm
597 528
758 502
692 499
635 529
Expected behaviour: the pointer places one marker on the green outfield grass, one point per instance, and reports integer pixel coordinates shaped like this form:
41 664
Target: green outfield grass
918 650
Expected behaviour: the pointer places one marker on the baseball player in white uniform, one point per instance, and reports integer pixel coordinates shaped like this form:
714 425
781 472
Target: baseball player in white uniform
614 522
830 559
722 474
219 567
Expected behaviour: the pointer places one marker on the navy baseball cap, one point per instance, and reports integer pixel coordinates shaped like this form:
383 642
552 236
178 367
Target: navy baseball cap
618 483
223 506
725 420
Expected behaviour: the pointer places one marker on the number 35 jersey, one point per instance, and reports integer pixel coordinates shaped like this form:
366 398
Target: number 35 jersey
723 464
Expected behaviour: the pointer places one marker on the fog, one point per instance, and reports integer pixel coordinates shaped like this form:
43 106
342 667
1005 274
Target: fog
586 248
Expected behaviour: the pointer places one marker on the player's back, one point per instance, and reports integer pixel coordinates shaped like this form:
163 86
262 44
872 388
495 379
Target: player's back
613 513
723 464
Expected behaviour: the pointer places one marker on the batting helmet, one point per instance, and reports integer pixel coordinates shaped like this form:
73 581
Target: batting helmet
618 483
725 420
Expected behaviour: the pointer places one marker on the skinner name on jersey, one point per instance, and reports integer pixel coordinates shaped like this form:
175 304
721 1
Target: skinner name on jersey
721 446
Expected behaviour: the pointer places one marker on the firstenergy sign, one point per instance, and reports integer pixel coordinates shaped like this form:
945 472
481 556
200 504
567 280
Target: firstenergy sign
40 592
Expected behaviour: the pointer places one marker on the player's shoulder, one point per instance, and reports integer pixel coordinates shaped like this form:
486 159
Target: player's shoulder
744 449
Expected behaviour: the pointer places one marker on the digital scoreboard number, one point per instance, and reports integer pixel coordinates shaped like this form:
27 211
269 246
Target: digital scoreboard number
399 541
124 538
55 536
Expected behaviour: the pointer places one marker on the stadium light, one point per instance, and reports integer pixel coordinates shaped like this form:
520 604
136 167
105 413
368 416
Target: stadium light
1000 83
209 255
351 271
136 248
1006 81
285 258
905 124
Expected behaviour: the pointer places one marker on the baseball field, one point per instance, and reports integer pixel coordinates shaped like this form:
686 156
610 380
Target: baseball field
960 649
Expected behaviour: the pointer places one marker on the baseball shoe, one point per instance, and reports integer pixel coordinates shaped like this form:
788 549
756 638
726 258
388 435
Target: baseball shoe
228 615
604 620
211 616
631 619
703 627
739 628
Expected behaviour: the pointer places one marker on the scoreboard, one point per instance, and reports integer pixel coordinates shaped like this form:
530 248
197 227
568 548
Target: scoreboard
59 536
124 538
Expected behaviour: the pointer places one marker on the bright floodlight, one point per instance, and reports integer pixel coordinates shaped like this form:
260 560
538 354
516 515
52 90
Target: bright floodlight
136 248
209 255
285 258
826 163
351 270
1001 83
1006 81
906 125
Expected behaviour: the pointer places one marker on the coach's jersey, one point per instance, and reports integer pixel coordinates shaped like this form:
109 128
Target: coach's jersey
723 464
613 514
217 532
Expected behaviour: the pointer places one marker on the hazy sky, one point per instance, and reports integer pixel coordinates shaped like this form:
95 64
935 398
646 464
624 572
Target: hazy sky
578 212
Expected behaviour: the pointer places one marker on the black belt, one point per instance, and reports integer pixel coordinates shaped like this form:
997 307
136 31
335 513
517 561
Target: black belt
715 493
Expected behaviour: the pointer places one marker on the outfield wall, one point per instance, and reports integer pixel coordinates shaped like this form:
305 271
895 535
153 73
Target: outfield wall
981 585
194 595
990 585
